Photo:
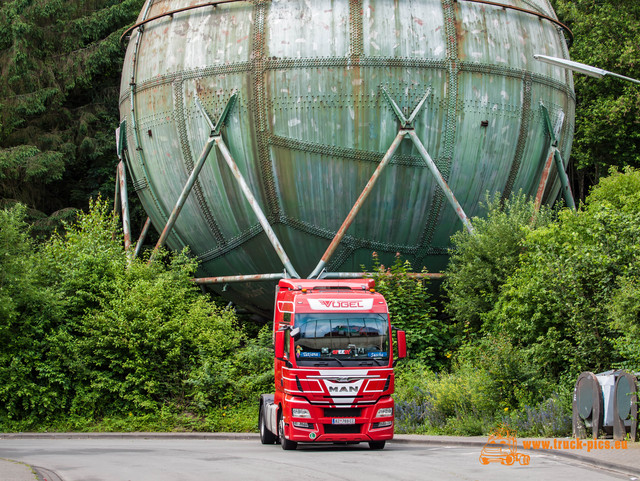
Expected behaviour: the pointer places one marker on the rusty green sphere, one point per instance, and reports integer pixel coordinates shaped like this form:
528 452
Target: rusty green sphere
302 94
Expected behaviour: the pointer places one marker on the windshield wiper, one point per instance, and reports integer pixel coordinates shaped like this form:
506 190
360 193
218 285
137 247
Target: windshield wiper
334 359
324 362
368 362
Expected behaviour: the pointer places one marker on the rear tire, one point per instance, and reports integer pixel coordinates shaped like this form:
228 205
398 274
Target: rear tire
284 442
376 444
266 436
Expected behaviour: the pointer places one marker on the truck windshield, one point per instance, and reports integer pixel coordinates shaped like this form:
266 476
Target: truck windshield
342 339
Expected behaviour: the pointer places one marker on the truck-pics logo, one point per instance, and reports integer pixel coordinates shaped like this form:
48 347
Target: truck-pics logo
502 447
340 304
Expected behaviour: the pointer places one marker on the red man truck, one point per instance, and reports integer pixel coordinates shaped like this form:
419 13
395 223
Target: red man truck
334 359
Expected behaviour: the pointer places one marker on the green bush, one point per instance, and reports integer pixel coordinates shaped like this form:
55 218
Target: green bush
447 403
481 262
94 340
30 310
624 319
566 303
470 401
411 308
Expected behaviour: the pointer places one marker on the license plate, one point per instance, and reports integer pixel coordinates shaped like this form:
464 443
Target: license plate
343 421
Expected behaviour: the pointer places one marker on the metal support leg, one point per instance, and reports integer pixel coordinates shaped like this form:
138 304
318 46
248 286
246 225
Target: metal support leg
256 208
215 131
143 235
441 182
356 207
117 192
115 200
124 200
564 180
543 181
406 128
554 154
183 196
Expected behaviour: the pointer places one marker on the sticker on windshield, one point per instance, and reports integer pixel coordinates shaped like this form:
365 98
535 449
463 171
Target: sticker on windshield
309 354
377 354
341 351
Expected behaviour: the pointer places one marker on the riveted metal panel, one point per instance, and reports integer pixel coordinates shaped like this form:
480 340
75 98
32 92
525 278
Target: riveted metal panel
310 124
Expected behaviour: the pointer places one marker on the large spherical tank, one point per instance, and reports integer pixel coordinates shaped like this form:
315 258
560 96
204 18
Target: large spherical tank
311 123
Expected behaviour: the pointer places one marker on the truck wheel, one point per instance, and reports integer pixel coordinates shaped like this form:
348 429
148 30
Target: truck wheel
376 444
284 442
266 436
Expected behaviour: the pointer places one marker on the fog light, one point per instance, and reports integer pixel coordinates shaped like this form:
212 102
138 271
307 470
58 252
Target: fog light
300 413
297 424
384 412
382 424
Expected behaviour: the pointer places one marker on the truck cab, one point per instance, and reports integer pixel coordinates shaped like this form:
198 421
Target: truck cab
334 357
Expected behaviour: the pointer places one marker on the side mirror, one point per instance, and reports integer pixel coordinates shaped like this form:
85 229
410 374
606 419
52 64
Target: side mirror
295 333
279 344
402 344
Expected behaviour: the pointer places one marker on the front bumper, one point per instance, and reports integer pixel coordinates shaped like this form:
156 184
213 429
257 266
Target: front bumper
338 424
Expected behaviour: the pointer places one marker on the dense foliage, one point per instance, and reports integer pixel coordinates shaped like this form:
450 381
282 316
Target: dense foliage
563 298
61 63
87 334
412 309
90 339
607 35
480 263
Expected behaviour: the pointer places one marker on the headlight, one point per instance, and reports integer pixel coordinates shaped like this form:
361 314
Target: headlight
300 413
384 412
382 424
298 424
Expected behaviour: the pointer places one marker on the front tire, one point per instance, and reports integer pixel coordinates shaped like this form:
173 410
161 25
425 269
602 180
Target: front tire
284 442
266 436
376 444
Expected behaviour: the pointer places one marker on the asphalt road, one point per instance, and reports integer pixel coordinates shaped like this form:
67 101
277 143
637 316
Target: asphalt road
192 459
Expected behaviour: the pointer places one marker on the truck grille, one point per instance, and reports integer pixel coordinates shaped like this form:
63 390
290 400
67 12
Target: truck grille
342 428
342 412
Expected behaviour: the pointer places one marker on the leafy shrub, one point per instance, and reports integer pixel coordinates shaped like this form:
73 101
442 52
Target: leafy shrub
29 310
481 262
241 376
573 278
624 318
93 338
411 308
459 402
549 418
